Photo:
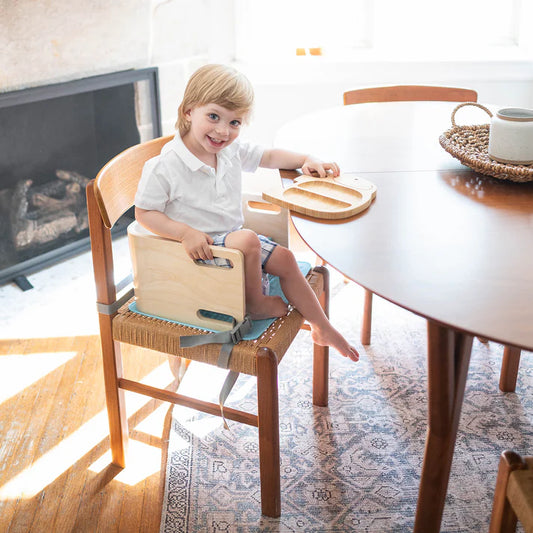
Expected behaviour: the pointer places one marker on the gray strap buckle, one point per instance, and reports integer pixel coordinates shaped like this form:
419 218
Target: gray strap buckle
240 330
112 308
231 337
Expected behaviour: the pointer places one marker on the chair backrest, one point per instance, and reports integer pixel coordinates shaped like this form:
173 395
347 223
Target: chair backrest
116 184
409 93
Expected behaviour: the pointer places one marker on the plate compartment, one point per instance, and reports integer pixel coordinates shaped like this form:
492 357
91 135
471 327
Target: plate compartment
328 198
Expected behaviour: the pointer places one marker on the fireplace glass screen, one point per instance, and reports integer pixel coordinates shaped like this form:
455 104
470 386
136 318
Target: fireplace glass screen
53 140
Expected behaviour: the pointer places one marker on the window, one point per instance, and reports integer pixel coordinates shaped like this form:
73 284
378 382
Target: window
343 28
275 29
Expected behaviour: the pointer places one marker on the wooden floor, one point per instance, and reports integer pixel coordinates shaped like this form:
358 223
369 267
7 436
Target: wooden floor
55 469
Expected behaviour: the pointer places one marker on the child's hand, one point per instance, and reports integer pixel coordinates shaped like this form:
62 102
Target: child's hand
314 166
196 244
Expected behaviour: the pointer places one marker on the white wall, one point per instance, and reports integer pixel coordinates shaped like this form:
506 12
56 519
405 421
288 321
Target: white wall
52 41
58 40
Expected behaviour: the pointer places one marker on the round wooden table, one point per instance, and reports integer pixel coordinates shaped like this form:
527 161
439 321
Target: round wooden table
440 240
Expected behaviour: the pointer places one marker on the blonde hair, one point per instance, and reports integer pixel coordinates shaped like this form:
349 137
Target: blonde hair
215 84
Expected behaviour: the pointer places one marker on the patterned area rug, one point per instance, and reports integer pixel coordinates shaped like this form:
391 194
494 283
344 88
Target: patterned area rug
355 465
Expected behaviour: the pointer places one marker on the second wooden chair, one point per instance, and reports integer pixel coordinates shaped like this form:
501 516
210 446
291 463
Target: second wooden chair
513 496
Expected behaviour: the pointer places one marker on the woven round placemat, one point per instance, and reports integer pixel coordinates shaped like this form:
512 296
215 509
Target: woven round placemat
469 144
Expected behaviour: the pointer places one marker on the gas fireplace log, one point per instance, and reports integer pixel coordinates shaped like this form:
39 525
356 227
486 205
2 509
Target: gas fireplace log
43 213
47 204
55 188
20 199
74 177
28 233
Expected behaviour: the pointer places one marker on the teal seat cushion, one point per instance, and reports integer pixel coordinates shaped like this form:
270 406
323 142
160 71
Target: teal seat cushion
258 326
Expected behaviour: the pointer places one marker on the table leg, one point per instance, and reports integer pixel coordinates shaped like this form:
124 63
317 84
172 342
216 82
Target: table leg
509 371
448 359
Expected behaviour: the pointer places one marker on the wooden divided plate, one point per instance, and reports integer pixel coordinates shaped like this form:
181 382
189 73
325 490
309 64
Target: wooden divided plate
329 198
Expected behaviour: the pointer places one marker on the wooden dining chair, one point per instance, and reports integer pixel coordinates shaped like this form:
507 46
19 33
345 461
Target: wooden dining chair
109 196
409 93
513 495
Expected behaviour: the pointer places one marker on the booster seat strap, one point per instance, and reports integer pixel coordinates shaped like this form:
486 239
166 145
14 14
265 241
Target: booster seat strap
123 283
233 336
112 308
230 380
225 354
228 339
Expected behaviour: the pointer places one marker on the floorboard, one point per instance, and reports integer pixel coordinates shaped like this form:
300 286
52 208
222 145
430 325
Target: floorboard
55 472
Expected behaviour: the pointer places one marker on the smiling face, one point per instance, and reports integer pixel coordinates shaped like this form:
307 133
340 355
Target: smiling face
212 128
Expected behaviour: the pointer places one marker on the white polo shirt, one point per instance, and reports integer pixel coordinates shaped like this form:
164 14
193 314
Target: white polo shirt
187 190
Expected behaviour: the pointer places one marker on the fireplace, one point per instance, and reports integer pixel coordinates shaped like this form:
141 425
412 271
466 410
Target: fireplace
53 140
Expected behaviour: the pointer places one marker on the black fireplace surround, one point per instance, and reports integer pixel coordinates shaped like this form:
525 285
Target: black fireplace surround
53 140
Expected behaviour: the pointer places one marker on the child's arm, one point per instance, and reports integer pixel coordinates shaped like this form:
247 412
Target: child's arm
196 243
278 158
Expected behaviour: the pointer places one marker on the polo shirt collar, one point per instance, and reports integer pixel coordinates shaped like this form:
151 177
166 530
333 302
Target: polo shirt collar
192 161
185 155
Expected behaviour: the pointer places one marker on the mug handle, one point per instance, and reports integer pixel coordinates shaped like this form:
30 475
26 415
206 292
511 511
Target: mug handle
468 103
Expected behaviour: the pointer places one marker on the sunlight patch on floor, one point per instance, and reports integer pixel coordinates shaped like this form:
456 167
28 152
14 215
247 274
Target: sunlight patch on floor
153 423
142 461
143 458
204 382
45 469
57 460
201 428
19 371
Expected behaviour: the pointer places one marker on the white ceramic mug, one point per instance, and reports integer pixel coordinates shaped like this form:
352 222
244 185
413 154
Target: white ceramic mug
511 136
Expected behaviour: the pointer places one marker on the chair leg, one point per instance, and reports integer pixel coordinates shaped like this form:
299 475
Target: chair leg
503 518
320 375
178 366
116 407
321 353
268 425
509 370
366 326
102 252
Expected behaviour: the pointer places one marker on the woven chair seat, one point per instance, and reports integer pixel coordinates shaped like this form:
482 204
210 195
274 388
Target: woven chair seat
163 336
513 494
520 494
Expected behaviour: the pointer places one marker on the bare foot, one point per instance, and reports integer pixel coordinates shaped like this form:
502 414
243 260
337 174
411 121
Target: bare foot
331 337
267 307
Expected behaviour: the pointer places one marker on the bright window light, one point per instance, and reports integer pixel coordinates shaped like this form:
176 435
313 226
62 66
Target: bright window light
277 28
340 28
454 25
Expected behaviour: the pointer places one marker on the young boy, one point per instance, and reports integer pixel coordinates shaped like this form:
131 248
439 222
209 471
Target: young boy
192 193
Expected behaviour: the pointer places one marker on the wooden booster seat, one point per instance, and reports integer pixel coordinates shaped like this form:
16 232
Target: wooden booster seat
168 284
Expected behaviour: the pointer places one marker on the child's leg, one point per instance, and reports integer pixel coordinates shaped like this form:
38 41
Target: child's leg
258 305
282 263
